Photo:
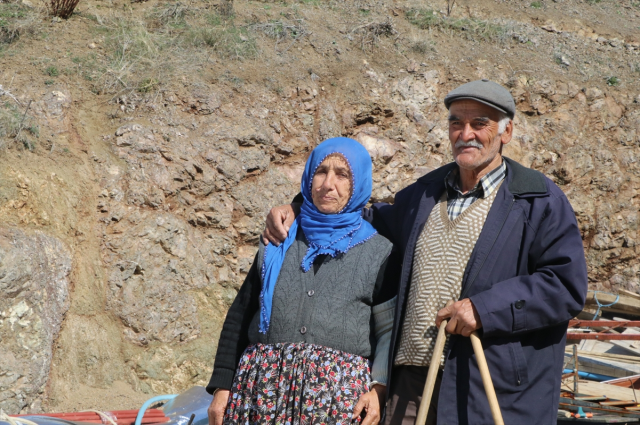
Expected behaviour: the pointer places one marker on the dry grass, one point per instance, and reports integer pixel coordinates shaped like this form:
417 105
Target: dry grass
371 32
16 125
470 29
282 31
17 20
175 39
9 120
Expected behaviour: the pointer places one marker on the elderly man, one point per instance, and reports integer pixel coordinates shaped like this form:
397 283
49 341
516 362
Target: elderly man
503 241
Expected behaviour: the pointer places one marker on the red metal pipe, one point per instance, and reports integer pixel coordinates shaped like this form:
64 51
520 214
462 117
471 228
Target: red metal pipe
603 337
604 323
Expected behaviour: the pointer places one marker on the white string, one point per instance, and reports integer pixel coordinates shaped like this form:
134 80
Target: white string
103 416
14 421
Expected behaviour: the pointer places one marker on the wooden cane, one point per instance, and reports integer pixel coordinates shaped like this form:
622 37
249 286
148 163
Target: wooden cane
429 384
486 379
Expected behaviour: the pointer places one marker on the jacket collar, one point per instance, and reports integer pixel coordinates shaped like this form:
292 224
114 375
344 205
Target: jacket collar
521 180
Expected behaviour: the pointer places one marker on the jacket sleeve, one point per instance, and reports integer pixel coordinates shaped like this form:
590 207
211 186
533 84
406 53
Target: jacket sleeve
554 291
380 216
383 315
390 219
234 337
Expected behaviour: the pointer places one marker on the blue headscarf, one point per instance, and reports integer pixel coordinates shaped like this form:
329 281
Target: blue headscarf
331 234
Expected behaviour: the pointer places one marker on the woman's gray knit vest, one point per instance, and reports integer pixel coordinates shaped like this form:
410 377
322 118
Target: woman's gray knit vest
331 308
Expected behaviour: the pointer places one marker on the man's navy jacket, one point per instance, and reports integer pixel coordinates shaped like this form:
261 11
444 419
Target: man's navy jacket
527 277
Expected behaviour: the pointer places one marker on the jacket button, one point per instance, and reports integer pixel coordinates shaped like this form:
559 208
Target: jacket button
519 304
303 330
311 292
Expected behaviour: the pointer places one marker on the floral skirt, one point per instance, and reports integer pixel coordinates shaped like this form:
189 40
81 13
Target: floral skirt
296 384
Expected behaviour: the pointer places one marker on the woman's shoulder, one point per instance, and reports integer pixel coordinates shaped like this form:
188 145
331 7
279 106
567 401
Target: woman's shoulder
379 244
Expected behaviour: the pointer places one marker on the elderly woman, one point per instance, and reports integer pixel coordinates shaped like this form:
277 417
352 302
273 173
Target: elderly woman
314 312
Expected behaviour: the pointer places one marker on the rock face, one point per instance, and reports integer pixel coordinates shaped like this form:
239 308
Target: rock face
34 282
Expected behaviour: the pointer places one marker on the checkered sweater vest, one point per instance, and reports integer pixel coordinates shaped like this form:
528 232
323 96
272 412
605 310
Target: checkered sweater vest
441 256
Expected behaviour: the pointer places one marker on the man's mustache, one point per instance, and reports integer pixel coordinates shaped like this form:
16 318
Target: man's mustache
470 144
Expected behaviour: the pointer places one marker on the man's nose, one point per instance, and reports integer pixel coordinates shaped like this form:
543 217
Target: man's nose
467 133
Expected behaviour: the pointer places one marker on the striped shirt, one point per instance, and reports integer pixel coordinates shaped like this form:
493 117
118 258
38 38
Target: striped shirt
457 201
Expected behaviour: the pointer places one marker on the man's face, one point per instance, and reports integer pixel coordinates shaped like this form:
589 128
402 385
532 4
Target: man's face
473 133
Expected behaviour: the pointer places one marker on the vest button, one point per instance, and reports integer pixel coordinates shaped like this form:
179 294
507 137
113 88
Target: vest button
311 292
303 330
519 304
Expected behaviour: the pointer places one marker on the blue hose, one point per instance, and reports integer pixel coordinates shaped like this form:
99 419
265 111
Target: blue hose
149 402
592 376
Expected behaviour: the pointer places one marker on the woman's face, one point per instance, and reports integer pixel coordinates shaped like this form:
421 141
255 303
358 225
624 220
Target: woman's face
331 185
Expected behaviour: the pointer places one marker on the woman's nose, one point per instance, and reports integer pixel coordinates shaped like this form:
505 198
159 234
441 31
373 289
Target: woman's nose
329 181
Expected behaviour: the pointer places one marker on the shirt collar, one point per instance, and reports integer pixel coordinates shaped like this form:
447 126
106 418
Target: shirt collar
487 184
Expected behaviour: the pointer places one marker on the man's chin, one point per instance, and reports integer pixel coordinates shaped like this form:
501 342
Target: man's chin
466 162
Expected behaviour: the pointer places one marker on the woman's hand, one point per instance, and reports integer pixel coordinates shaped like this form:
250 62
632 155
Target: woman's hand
218 407
371 403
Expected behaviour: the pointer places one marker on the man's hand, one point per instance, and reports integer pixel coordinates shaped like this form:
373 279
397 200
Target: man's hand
463 318
371 403
279 220
218 407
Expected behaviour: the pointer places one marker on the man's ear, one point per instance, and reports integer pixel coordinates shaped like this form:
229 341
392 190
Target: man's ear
505 137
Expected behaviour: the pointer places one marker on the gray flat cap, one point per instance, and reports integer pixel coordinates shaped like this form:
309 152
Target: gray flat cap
484 91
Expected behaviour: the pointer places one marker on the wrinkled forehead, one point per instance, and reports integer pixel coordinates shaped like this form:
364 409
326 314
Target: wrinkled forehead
467 109
337 161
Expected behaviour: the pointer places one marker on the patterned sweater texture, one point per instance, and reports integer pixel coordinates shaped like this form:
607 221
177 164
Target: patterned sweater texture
441 256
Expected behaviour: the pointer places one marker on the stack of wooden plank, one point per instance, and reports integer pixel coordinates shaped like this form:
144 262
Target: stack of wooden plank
603 360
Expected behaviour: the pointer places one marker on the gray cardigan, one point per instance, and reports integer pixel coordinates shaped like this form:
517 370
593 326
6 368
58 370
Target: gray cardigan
331 308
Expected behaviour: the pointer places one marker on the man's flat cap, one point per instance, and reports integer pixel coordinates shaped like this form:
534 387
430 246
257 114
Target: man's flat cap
484 91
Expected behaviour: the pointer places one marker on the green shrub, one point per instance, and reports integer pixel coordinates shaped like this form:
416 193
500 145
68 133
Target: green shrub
62 8
226 41
147 85
52 71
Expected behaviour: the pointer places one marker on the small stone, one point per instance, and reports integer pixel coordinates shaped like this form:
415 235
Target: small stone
412 67
551 28
564 61
91 45
615 42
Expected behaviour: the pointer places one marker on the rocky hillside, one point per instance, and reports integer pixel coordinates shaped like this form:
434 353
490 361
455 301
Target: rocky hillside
142 144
